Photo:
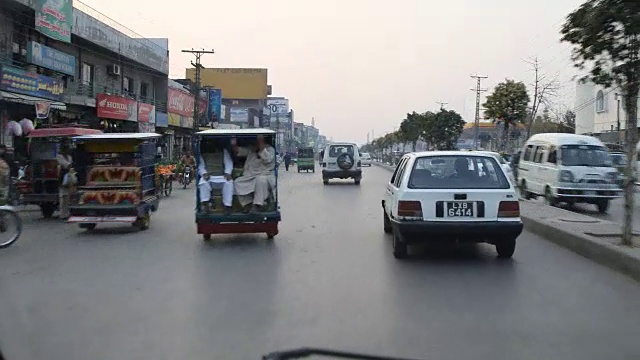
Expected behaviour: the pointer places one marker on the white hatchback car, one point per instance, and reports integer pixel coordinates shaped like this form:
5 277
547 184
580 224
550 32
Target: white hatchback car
365 159
451 196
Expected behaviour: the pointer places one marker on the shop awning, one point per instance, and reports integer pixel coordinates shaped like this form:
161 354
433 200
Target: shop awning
30 100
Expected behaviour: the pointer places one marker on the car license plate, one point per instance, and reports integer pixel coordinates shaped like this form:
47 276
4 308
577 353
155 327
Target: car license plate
459 209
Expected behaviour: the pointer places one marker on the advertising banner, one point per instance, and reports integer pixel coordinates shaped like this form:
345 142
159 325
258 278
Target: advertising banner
22 82
174 119
50 58
186 122
146 127
146 113
266 117
215 105
162 119
278 107
239 115
180 102
116 107
54 18
42 109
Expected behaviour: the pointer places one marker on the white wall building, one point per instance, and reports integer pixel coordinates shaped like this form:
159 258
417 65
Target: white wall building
596 109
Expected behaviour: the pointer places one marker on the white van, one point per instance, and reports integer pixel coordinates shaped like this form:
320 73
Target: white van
568 168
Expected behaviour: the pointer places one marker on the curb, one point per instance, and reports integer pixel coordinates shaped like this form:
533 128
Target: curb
613 256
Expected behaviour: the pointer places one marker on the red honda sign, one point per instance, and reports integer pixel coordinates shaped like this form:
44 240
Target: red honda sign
117 107
146 113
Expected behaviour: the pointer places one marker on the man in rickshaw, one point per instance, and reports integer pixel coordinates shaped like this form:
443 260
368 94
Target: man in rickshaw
215 173
258 178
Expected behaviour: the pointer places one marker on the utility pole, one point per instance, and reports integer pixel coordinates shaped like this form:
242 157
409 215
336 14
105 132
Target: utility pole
442 104
478 91
196 94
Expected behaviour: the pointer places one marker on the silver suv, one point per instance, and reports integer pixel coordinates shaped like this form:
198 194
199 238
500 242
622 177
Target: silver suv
341 161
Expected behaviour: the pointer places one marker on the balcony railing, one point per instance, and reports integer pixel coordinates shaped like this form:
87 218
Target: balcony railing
91 90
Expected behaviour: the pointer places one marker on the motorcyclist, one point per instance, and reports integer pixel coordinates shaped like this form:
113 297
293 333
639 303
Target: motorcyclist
187 160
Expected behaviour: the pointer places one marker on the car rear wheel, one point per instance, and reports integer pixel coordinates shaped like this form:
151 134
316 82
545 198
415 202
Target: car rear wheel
325 181
603 206
400 248
506 248
386 223
549 198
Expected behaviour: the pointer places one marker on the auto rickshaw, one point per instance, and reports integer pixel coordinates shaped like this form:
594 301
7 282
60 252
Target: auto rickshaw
40 185
211 216
306 159
116 180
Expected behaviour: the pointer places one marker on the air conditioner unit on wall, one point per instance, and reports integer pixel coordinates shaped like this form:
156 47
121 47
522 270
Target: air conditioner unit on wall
114 69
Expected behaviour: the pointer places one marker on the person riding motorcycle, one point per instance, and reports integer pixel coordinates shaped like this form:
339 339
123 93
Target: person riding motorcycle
187 160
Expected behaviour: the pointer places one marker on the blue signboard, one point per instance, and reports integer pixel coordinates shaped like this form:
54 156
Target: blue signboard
38 54
23 82
162 119
215 104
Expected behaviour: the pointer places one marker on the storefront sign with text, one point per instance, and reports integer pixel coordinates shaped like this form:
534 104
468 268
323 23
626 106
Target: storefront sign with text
146 113
116 107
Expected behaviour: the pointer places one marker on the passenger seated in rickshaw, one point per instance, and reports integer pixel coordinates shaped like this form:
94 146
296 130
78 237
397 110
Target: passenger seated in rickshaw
215 171
258 178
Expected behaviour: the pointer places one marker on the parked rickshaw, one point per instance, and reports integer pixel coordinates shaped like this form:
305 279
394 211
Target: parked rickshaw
116 180
306 161
211 216
40 185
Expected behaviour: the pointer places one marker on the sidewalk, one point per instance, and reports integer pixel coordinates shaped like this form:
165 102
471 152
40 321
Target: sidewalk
592 238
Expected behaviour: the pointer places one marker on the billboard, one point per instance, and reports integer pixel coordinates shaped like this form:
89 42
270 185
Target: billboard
215 105
54 19
116 107
235 83
239 115
23 82
50 58
278 106
180 102
146 113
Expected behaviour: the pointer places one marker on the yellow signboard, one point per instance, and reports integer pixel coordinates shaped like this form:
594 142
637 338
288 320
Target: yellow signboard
236 83
174 119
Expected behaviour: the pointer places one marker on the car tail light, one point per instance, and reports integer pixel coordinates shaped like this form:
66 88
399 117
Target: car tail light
410 209
509 209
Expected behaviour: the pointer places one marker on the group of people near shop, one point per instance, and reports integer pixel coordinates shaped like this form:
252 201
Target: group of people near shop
252 188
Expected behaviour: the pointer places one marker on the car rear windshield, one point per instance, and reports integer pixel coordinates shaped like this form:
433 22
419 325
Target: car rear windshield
365 155
457 172
337 150
305 153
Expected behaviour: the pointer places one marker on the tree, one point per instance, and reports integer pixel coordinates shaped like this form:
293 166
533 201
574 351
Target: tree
443 129
508 104
411 128
542 89
605 35
569 120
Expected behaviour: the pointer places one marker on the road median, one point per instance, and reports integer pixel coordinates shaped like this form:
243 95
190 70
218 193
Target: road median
595 239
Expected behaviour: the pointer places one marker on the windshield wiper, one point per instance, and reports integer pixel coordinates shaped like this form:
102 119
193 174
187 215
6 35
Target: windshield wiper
306 352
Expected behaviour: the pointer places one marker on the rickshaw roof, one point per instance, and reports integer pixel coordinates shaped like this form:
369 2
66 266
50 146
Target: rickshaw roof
62 132
231 132
118 136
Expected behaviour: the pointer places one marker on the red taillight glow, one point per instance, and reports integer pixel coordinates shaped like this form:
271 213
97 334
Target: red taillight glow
409 209
509 209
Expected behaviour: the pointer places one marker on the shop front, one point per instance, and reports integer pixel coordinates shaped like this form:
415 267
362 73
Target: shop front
117 114
180 119
27 95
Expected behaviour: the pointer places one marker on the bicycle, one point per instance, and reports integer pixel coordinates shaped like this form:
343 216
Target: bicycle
9 215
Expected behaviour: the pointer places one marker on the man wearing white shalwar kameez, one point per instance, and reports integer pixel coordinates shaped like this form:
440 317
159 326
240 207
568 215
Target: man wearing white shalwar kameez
258 177
215 179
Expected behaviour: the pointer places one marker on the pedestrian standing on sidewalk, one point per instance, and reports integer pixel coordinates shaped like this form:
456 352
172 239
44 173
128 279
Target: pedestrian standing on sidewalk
5 172
287 161
64 161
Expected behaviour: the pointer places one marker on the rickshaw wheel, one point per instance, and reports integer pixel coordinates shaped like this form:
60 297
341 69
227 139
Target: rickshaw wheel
88 227
206 237
143 222
272 234
47 210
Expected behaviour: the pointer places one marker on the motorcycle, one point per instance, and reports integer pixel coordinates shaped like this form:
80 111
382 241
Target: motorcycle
186 176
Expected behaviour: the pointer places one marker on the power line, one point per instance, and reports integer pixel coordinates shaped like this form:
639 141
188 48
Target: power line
478 90
198 66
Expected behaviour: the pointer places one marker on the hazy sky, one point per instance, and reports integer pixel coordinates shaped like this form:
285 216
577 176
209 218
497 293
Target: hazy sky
361 65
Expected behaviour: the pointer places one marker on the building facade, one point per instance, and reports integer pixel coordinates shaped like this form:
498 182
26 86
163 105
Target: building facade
77 69
600 112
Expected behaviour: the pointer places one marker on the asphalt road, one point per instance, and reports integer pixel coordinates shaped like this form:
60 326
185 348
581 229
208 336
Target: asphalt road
328 280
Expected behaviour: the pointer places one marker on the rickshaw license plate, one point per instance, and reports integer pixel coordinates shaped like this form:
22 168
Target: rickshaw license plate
99 219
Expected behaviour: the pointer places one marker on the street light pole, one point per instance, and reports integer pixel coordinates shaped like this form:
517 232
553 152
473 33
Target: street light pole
618 115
